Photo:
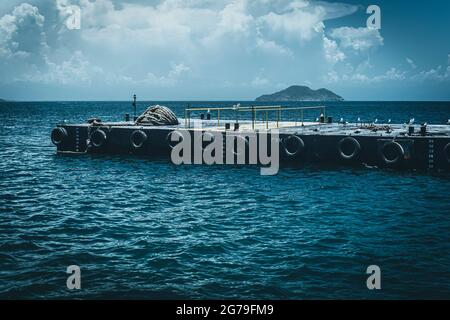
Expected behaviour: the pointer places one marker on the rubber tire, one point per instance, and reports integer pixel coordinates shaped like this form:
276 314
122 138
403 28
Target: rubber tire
447 152
245 145
58 135
140 135
207 143
356 150
300 148
98 134
397 159
169 140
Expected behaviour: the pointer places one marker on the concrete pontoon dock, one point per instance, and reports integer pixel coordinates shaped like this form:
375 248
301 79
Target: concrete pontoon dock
400 146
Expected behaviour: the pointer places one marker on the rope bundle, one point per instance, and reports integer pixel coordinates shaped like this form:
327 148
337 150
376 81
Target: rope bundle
157 116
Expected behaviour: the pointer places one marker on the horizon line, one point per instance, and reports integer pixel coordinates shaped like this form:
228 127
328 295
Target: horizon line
236 100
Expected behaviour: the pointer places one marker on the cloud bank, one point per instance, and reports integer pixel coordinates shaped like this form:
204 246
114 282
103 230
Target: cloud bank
198 49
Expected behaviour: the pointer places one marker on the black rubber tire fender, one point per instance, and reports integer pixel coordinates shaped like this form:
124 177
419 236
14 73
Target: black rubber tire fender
446 151
400 153
298 150
171 144
98 138
138 139
207 143
235 144
356 148
58 135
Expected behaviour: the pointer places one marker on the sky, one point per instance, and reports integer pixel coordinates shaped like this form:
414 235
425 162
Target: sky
222 50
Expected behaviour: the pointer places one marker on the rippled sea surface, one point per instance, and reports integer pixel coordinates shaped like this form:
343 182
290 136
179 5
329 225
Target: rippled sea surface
150 229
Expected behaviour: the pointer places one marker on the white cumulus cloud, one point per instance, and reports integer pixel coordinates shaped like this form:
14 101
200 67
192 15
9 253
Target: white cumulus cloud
21 32
332 52
359 39
165 43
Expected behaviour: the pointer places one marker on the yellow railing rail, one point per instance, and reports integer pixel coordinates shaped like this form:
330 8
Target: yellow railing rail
254 110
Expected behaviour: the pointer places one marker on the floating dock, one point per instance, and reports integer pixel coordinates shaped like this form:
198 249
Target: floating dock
399 146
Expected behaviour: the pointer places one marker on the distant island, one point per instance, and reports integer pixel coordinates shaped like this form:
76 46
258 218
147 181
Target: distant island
1 100
301 93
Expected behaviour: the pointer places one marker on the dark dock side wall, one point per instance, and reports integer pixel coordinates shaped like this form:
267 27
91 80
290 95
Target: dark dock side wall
423 152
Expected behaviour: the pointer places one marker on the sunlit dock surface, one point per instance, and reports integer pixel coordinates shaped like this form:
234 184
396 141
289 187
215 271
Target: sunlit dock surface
292 127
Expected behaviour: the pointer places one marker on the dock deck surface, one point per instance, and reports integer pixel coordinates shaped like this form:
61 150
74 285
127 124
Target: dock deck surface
291 127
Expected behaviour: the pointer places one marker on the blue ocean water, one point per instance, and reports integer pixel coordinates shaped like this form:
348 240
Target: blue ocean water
150 229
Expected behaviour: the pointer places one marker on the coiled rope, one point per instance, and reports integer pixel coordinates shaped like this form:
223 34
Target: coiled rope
157 116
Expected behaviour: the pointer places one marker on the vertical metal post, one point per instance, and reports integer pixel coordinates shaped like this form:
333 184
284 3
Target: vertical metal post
278 116
187 116
267 120
253 117
134 107
218 117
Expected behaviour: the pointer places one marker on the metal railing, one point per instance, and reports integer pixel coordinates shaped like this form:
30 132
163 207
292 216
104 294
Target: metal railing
264 110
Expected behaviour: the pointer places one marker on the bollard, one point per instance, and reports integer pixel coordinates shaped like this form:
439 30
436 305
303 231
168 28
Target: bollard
423 129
